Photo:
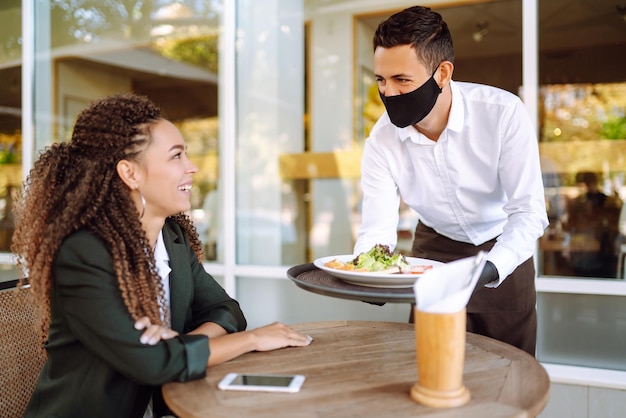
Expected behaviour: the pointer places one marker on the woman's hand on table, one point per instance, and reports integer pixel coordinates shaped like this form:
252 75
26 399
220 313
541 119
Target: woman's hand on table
278 335
153 333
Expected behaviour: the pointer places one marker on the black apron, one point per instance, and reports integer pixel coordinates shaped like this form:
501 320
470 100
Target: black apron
507 312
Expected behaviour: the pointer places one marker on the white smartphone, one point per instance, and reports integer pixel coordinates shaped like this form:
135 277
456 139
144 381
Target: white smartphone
262 382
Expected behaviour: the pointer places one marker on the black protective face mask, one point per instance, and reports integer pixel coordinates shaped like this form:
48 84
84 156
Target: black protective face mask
410 108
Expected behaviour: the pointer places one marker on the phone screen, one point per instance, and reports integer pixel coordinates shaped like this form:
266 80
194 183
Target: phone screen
258 380
262 382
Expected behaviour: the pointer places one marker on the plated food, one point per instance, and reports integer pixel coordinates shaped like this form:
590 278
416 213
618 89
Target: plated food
380 259
395 271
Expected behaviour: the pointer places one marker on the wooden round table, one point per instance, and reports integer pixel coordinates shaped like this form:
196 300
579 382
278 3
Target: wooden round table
366 369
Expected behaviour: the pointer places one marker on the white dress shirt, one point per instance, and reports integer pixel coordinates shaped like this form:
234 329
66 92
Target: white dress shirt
480 180
162 261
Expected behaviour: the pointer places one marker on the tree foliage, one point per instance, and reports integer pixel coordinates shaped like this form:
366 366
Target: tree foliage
201 51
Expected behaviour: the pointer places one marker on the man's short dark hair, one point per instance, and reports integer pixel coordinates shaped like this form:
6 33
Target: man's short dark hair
423 29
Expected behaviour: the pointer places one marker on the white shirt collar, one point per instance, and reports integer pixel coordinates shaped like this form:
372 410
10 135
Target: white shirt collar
456 119
161 259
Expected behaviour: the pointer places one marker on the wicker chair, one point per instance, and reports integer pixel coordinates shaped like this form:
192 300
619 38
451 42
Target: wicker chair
21 354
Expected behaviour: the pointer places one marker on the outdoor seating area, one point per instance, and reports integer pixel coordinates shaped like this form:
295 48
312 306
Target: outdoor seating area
269 135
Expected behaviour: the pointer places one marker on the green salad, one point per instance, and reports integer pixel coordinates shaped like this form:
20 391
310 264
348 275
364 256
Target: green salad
380 257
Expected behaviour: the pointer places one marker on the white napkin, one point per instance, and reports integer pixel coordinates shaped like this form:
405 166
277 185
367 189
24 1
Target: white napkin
447 289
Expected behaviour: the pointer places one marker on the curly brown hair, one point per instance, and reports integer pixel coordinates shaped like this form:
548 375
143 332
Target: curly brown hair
75 186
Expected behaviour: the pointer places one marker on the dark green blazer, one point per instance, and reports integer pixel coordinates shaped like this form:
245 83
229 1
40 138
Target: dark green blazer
96 366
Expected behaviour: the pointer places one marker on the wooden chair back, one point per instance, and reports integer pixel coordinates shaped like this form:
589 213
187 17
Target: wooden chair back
21 353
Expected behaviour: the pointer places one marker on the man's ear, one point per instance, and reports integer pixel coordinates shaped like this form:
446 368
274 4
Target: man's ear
446 68
128 173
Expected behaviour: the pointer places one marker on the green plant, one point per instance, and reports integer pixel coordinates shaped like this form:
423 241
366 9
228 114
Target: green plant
614 128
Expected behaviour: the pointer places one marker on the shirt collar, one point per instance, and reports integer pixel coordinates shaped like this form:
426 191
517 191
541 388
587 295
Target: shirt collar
161 256
456 119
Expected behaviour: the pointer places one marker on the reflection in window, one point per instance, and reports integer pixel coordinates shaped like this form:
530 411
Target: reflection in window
583 112
201 137
10 116
166 50
582 131
583 151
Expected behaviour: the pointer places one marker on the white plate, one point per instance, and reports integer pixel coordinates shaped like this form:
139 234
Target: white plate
374 279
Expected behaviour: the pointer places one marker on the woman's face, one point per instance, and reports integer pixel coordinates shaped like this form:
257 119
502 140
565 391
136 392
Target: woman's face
167 172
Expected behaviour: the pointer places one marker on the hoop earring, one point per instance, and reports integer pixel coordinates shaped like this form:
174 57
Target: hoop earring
143 206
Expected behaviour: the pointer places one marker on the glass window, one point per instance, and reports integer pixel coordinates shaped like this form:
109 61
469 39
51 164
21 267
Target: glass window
583 137
166 50
582 330
10 125
582 128
270 116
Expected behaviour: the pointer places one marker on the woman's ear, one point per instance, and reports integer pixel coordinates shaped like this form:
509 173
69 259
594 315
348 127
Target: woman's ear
128 173
446 68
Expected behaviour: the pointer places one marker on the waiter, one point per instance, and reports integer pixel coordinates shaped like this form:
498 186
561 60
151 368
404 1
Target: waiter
465 157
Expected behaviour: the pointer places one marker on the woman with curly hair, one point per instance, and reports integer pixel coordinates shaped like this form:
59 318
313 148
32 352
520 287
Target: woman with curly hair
115 265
